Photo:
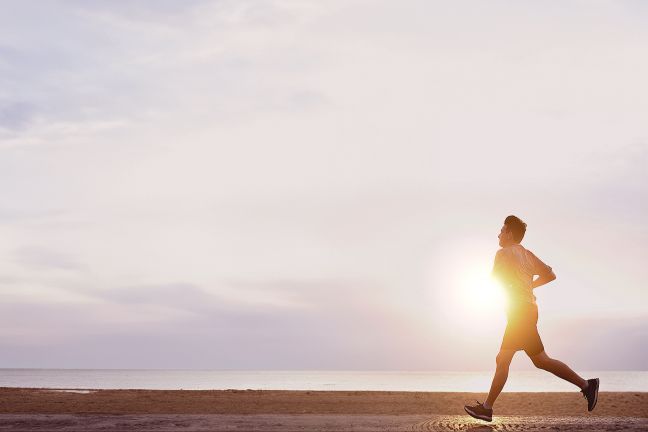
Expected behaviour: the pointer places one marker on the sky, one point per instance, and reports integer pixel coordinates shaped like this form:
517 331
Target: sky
318 185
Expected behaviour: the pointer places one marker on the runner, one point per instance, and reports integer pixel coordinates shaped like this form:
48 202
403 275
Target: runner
515 268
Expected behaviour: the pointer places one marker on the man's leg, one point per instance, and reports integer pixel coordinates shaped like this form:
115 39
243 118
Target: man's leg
503 362
558 368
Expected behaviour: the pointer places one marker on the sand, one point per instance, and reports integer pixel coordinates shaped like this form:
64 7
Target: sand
161 410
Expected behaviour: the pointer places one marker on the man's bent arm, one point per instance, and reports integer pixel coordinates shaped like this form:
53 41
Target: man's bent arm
543 279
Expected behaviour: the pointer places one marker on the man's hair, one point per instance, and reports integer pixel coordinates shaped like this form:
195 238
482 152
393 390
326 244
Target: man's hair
516 226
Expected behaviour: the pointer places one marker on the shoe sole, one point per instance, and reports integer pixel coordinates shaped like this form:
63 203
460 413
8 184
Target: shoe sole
595 394
477 416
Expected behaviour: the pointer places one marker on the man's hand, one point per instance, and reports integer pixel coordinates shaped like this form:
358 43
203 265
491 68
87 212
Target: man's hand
543 279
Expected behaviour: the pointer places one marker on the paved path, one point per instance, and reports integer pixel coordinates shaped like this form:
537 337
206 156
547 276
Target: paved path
309 422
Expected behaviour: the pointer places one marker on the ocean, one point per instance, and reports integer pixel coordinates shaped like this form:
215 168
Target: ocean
161 379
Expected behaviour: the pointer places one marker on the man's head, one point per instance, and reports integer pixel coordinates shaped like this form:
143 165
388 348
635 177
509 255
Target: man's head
512 231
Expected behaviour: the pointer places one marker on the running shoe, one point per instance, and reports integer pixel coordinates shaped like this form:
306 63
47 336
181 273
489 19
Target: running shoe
591 393
479 412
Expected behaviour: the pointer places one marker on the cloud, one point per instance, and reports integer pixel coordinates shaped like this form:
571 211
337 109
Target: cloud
139 10
340 331
15 115
179 319
41 258
598 344
188 298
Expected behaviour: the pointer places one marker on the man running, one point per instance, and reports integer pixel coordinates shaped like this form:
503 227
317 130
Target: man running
515 268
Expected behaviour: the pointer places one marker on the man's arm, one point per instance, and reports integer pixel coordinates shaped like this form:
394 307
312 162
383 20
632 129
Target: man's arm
543 279
543 271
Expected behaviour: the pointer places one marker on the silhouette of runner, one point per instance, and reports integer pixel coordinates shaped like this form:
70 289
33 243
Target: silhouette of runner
515 268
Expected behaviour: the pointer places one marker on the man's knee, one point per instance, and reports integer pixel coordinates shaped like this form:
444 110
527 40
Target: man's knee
541 361
503 360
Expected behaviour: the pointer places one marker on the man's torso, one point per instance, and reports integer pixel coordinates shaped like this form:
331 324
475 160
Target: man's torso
515 268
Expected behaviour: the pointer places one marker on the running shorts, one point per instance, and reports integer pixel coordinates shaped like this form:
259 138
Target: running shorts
522 330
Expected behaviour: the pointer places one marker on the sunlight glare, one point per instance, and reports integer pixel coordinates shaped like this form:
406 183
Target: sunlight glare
480 292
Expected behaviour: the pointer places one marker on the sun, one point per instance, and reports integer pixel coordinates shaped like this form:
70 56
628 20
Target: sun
479 292
463 294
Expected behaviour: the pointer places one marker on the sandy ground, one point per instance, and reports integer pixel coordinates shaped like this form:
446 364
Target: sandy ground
310 422
233 410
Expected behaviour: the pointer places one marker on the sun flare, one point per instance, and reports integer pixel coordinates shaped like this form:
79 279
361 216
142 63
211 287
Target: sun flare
478 291
471 294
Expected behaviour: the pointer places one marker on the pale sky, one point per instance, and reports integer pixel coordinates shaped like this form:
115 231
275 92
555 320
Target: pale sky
318 184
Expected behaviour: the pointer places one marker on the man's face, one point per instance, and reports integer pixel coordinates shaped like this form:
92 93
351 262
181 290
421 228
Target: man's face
505 237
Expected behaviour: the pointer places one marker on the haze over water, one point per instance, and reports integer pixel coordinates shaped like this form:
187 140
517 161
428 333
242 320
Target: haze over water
525 381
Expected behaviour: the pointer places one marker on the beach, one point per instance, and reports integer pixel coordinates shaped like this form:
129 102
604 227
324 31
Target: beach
256 410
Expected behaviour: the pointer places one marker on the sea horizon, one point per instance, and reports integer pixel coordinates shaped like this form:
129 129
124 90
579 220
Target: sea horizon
310 380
